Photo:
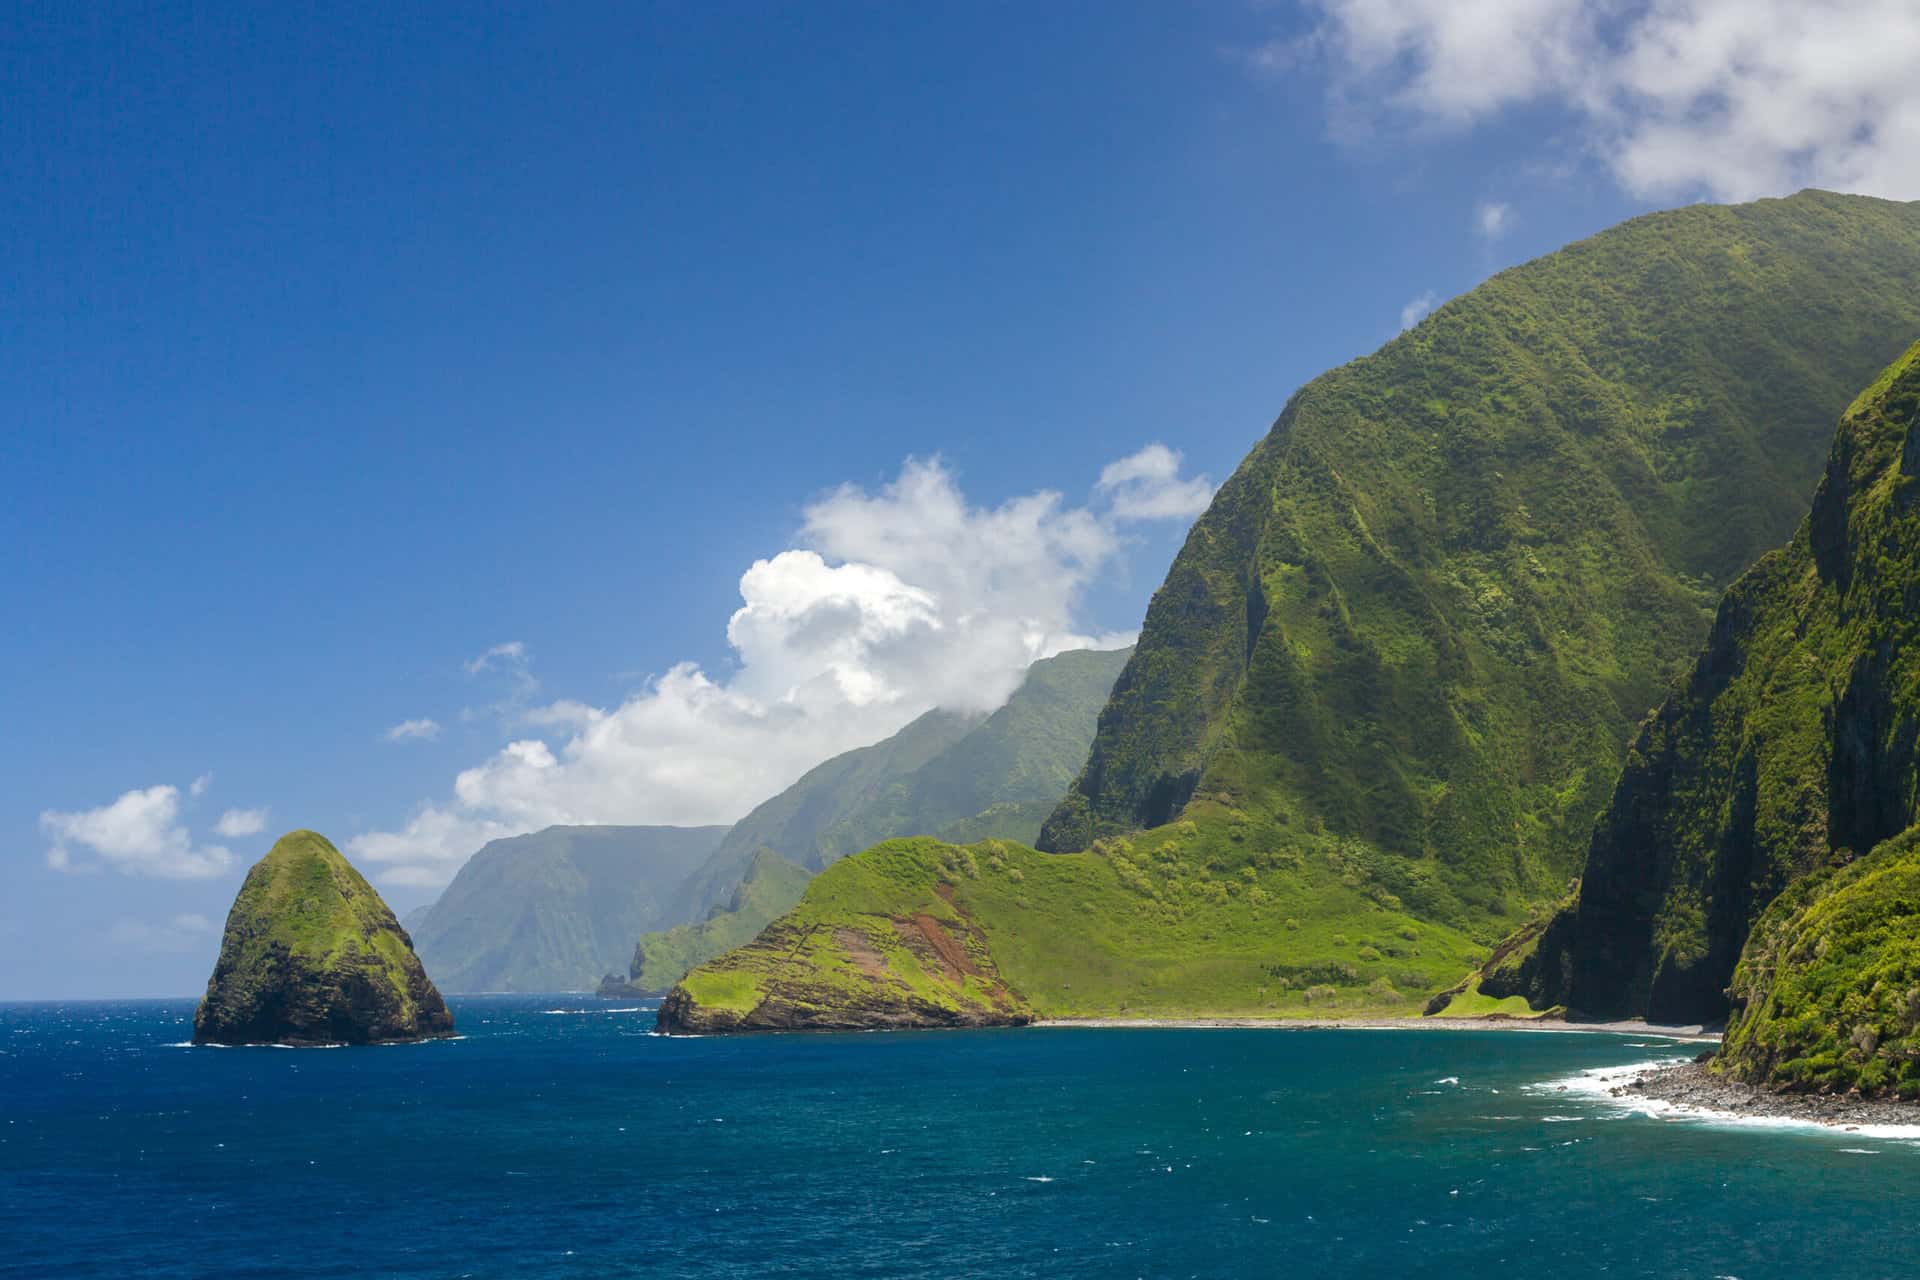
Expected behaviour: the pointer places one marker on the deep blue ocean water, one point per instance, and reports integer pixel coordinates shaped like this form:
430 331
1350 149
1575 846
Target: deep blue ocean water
576 1144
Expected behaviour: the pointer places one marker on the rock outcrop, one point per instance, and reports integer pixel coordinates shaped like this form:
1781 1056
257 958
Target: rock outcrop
313 956
918 960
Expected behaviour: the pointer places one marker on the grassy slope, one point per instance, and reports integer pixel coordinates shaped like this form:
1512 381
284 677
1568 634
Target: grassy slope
1790 746
1827 993
1189 919
556 909
771 886
1427 611
958 778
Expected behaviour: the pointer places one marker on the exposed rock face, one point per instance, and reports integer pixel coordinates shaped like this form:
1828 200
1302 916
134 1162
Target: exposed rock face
313 956
1789 749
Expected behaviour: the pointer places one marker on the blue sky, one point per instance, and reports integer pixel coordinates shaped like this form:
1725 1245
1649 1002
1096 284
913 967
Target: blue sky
343 349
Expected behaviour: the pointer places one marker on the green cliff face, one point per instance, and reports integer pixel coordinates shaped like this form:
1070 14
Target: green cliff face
1428 610
957 777
1789 748
555 910
1827 992
313 956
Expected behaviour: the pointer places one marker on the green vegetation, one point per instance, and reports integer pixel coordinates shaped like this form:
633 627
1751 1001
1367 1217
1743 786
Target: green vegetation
555 910
961 778
1789 747
1827 992
312 955
1195 918
1428 610
1405 649
771 886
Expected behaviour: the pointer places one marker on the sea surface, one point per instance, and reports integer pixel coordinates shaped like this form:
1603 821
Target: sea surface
559 1138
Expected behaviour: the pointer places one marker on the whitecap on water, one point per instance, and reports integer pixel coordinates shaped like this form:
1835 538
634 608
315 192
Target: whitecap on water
1597 1084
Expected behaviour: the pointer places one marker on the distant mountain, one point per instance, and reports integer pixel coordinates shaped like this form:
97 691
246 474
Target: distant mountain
1760 837
958 777
555 910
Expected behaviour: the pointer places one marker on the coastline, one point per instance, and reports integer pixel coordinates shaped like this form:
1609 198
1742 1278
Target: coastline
1550 1026
1687 1089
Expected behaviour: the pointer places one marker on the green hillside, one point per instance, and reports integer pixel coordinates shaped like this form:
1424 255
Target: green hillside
1174 923
1428 610
1402 654
555 910
953 776
1827 992
944 771
1790 747
769 888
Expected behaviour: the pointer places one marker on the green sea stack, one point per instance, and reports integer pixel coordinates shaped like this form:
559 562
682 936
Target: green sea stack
312 956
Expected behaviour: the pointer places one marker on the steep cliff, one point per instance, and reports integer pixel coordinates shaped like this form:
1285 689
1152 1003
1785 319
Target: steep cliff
1789 748
1428 610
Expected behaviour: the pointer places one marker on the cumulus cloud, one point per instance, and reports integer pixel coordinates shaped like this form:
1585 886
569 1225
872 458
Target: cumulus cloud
1416 310
198 787
1492 219
139 834
185 932
1147 486
411 730
1733 99
892 602
235 823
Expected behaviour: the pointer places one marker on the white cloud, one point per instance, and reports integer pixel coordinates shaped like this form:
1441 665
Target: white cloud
409 730
893 602
198 787
1729 98
511 654
1492 219
1147 486
140 834
235 823
1416 310
185 932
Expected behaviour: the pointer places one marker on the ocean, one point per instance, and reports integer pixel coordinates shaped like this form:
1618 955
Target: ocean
559 1138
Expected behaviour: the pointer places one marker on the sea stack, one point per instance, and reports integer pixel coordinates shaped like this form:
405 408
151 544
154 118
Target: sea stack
313 956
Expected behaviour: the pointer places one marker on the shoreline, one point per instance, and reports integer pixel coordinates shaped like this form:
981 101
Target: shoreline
1547 1026
1687 1089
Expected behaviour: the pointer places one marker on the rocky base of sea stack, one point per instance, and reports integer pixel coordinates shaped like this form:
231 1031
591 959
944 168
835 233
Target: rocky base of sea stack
287 1002
615 987
680 1014
1692 1086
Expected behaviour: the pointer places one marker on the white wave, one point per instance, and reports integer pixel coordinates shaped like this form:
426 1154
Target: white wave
1448 1080
1040 1178
591 1012
1597 1084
